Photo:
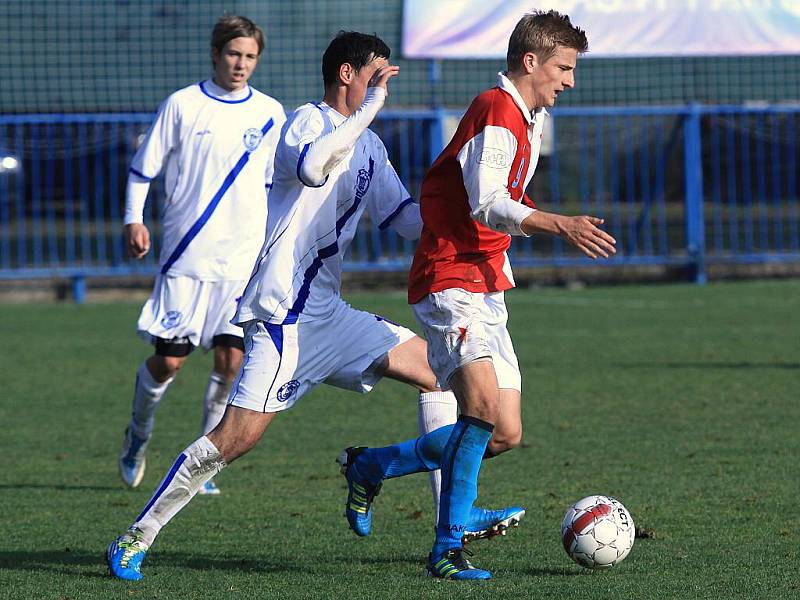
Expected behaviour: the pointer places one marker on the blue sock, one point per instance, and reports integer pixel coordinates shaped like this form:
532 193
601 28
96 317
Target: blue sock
460 465
412 456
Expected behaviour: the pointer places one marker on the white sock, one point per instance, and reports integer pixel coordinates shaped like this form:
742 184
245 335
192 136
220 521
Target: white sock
215 401
146 396
195 465
436 409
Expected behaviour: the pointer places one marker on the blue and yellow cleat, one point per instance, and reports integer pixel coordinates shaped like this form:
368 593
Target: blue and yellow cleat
132 459
124 557
360 493
454 565
486 524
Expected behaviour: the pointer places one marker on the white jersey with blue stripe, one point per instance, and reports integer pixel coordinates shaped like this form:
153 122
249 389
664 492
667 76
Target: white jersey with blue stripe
217 149
309 227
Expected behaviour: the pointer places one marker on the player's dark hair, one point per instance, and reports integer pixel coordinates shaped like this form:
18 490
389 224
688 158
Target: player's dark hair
354 48
231 27
542 32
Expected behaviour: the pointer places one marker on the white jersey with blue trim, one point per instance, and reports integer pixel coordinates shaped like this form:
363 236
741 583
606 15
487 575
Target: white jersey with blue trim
217 149
311 223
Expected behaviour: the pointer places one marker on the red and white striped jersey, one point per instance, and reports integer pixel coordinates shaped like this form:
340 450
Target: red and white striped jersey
473 197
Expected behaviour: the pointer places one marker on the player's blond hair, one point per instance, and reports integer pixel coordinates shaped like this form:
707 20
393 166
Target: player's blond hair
542 32
231 27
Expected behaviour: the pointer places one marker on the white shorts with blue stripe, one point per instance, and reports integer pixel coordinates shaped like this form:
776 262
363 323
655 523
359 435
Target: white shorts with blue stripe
185 307
283 362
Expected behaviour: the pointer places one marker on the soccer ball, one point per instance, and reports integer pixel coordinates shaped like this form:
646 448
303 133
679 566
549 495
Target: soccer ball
597 532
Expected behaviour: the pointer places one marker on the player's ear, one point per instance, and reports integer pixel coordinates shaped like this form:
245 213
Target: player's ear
529 62
214 56
346 72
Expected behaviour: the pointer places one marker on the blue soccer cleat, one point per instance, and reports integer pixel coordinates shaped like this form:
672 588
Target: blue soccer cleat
209 489
360 493
486 524
125 555
454 565
132 459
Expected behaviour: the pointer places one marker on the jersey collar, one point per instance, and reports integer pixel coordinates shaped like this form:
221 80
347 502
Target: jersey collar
504 83
335 116
212 90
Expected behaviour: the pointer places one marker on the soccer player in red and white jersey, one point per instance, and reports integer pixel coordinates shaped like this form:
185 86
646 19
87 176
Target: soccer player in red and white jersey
473 200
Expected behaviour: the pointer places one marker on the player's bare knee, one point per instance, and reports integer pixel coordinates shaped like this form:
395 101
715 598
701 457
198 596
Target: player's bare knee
503 441
164 367
173 364
428 384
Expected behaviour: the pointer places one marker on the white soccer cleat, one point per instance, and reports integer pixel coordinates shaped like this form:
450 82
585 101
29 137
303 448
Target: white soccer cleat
132 459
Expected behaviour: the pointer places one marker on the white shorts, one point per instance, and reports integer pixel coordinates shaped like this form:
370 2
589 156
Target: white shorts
284 362
462 327
183 307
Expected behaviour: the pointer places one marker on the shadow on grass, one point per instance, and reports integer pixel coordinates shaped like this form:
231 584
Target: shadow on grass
84 563
420 562
544 572
709 365
75 562
60 487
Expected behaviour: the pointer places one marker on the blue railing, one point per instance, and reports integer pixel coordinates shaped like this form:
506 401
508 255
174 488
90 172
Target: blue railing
688 185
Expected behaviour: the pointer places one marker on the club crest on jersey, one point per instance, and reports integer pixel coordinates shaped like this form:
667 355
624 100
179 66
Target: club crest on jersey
287 390
252 138
362 180
171 319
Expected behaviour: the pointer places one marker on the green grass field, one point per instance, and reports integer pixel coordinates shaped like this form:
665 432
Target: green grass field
681 401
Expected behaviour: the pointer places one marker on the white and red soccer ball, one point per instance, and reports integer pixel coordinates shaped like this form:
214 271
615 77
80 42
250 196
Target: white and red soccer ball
597 532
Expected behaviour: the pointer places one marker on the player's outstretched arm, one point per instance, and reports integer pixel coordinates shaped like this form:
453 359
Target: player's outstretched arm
137 239
582 231
327 151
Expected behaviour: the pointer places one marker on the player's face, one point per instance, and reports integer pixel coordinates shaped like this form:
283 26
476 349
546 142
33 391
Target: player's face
234 65
554 76
357 89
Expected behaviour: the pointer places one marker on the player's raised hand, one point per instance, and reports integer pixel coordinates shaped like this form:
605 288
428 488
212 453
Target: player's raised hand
584 233
381 77
137 240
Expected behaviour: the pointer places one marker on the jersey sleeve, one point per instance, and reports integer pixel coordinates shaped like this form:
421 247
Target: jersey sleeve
528 201
272 139
485 161
304 126
319 156
389 203
161 138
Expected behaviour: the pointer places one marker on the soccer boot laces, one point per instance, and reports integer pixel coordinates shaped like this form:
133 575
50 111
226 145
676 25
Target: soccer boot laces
453 564
125 555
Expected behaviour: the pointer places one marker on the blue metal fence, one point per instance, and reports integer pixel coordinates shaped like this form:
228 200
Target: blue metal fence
685 185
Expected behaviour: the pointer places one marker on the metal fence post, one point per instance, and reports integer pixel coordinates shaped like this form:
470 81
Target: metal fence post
79 289
693 168
437 141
